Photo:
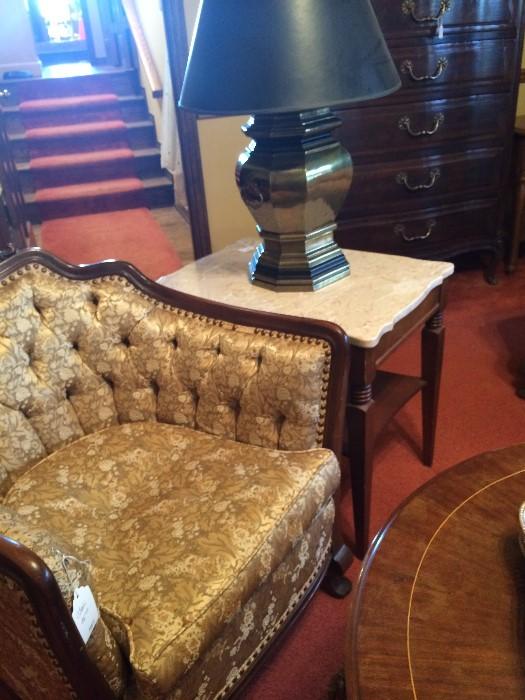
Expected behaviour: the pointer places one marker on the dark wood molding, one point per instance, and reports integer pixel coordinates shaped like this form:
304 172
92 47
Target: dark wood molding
177 40
21 565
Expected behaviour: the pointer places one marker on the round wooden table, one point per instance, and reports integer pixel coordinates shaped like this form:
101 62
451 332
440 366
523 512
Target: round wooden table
438 610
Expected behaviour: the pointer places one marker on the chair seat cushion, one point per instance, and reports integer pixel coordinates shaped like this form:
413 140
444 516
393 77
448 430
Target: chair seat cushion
180 528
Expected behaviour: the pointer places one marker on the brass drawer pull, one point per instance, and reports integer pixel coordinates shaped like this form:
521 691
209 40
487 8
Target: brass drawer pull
409 8
400 230
404 123
402 179
408 67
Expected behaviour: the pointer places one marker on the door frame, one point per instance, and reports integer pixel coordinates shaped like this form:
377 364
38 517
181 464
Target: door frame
177 43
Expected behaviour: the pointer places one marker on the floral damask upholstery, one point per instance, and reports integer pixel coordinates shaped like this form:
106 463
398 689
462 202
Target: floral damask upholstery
178 456
76 357
69 572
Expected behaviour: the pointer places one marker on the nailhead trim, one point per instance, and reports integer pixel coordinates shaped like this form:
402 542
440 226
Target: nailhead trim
183 313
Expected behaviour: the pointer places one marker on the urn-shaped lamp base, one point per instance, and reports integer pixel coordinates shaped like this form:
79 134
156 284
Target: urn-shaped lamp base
294 177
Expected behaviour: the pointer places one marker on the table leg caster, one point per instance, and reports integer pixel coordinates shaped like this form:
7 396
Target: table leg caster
335 582
337 688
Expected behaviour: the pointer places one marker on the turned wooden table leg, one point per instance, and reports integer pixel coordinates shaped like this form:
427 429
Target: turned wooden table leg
432 342
519 210
361 436
519 194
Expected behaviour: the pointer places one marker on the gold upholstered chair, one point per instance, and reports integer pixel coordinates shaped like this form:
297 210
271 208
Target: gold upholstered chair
175 456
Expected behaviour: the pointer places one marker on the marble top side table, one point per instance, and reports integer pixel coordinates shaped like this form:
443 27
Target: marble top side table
385 299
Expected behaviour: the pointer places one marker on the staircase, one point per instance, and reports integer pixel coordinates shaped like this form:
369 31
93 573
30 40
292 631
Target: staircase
84 145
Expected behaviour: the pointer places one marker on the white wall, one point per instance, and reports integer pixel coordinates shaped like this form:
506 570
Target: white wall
221 141
162 109
17 46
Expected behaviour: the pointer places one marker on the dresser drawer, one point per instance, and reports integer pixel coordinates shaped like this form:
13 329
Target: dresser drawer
424 181
434 232
370 132
455 65
403 17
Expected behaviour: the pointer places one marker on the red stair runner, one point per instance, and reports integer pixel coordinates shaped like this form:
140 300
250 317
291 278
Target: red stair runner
68 130
69 179
90 198
89 189
71 168
79 159
76 101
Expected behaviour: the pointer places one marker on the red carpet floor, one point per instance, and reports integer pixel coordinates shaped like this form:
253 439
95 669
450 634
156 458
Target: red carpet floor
132 235
484 351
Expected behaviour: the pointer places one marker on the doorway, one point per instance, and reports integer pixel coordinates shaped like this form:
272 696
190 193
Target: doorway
59 28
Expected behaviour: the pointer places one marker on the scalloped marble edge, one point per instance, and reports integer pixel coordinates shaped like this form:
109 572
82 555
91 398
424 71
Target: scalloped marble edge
222 277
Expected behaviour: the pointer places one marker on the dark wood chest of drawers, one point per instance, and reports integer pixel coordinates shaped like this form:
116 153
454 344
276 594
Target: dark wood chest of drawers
431 160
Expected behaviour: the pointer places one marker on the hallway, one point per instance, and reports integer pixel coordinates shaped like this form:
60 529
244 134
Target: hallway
84 143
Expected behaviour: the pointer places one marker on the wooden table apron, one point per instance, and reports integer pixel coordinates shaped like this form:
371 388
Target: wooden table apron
438 610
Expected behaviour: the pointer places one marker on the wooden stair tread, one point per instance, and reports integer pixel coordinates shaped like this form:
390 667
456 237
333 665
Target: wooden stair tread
69 130
127 126
121 100
72 102
74 159
79 159
96 189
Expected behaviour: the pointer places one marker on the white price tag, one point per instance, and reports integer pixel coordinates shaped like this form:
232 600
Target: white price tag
85 612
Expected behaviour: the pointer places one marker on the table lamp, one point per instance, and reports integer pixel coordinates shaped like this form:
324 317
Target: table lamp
288 63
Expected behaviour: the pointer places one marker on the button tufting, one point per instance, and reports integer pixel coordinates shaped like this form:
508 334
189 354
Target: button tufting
175 342
126 342
74 345
235 405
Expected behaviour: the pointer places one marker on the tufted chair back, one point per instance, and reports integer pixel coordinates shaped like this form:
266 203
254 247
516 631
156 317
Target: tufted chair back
77 355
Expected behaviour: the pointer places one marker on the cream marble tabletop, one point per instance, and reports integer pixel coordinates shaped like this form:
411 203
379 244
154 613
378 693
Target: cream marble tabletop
380 290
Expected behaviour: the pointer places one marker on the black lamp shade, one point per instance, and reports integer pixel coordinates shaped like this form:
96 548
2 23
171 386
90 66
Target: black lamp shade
271 56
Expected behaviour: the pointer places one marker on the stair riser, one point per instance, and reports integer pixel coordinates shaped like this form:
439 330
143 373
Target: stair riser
129 112
161 196
137 137
141 166
120 83
154 197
